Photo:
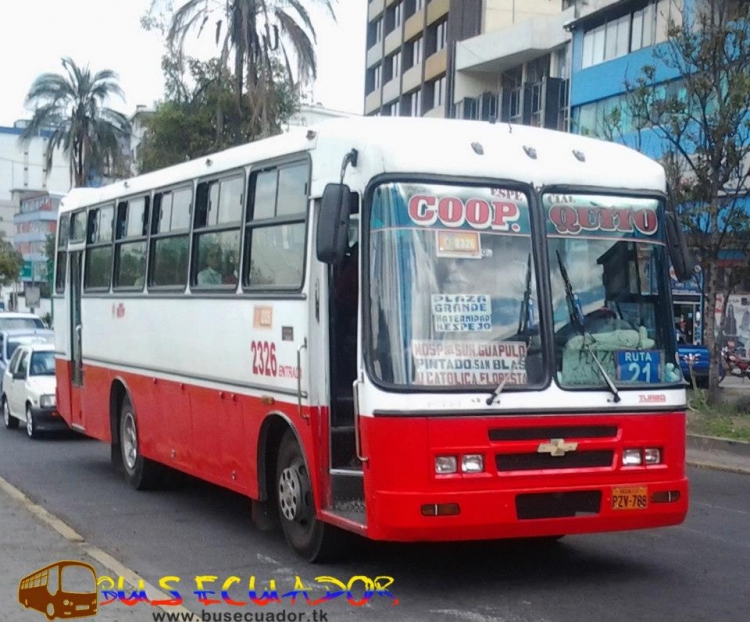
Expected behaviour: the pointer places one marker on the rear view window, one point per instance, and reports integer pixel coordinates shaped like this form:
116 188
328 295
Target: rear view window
20 322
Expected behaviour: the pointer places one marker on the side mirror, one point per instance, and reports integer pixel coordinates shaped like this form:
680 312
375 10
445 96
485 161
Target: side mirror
682 262
18 375
333 223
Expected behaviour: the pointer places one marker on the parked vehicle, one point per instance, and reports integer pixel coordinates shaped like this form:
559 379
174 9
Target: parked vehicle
29 387
699 358
11 339
10 321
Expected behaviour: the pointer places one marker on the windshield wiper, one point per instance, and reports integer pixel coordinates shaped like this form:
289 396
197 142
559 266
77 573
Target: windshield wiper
576 319
491 399
523 320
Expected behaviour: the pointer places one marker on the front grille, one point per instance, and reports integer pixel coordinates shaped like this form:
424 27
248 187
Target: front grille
537 461
558 504
566 432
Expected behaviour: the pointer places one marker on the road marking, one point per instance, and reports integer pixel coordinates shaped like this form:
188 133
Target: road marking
721 508
117 568
711 536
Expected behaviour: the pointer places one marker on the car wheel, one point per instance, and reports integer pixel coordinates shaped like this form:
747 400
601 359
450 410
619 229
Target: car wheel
31 430
11 423
312 539
141 473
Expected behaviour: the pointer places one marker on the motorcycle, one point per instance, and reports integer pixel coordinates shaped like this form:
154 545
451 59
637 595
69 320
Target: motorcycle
735 365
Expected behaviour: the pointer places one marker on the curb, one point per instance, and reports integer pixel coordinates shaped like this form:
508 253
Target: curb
716 466
714 443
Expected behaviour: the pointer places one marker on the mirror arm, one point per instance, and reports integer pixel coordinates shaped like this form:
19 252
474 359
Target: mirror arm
350 158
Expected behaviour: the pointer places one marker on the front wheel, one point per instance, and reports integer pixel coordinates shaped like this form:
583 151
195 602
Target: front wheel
31 430
312 539
11 423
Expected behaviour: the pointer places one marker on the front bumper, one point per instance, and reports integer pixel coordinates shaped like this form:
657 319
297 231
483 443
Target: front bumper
490 515
48 420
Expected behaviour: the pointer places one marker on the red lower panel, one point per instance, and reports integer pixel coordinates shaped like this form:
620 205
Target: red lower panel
207 433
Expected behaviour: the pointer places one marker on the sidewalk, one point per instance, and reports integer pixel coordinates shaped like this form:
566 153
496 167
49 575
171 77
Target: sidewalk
31 538
718 453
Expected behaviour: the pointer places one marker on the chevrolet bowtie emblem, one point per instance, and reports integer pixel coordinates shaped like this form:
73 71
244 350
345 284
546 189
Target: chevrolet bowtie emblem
556 447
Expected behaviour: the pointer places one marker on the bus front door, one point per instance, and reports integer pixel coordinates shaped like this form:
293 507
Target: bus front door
346 473
76 341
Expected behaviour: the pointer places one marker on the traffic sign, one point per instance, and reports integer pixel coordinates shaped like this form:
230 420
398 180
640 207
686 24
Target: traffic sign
27 270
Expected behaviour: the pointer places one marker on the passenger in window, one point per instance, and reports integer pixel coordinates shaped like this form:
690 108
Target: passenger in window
230 274
210 275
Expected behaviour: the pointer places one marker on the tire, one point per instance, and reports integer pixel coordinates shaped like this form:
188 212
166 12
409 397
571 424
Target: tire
31 430
312 539
11 423
140 473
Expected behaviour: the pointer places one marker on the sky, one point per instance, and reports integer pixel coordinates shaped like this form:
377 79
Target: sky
107 34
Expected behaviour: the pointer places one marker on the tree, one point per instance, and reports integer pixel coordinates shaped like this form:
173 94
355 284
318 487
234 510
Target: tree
11 262
700 125
71 107
200 116
263 35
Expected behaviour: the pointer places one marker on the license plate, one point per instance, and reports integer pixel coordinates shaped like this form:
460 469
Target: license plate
630 498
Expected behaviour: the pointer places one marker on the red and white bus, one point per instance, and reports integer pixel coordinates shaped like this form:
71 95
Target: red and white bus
410 329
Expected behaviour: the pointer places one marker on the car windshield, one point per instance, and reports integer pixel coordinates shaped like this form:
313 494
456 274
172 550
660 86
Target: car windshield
9 323
42 364
452 287
609 276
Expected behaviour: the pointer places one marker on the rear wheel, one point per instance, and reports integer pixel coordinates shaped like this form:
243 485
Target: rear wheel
11 423
141 473
311 539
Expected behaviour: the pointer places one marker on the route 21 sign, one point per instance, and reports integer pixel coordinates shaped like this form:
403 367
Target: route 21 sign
639 366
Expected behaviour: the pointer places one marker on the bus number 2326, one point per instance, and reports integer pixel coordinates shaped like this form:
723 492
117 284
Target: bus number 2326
264 358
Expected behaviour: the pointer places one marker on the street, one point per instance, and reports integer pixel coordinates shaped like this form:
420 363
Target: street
698 571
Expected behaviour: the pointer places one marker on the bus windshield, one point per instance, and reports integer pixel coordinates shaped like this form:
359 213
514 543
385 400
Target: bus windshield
453 296
608 271
77 579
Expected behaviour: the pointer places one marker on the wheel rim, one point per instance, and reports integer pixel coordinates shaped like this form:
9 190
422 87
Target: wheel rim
294 493
29 423
6 414
129 441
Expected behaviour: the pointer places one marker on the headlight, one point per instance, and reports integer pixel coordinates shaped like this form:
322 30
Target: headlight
47 401
445 465
631 457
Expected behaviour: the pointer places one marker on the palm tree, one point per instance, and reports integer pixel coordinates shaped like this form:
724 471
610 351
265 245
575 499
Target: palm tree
71 107
263 34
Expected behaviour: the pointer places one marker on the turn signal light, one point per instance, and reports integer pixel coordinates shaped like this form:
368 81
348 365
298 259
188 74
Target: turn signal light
665 496
440 509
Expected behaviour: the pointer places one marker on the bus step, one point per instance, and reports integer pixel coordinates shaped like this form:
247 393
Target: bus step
348 497
353 509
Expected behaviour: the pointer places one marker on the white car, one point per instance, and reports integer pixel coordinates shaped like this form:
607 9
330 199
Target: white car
29 390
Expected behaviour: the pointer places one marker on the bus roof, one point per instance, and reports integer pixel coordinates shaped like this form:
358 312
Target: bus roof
420 146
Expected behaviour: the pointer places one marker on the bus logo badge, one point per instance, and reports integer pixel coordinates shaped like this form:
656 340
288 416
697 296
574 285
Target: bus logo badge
557 447
65 589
